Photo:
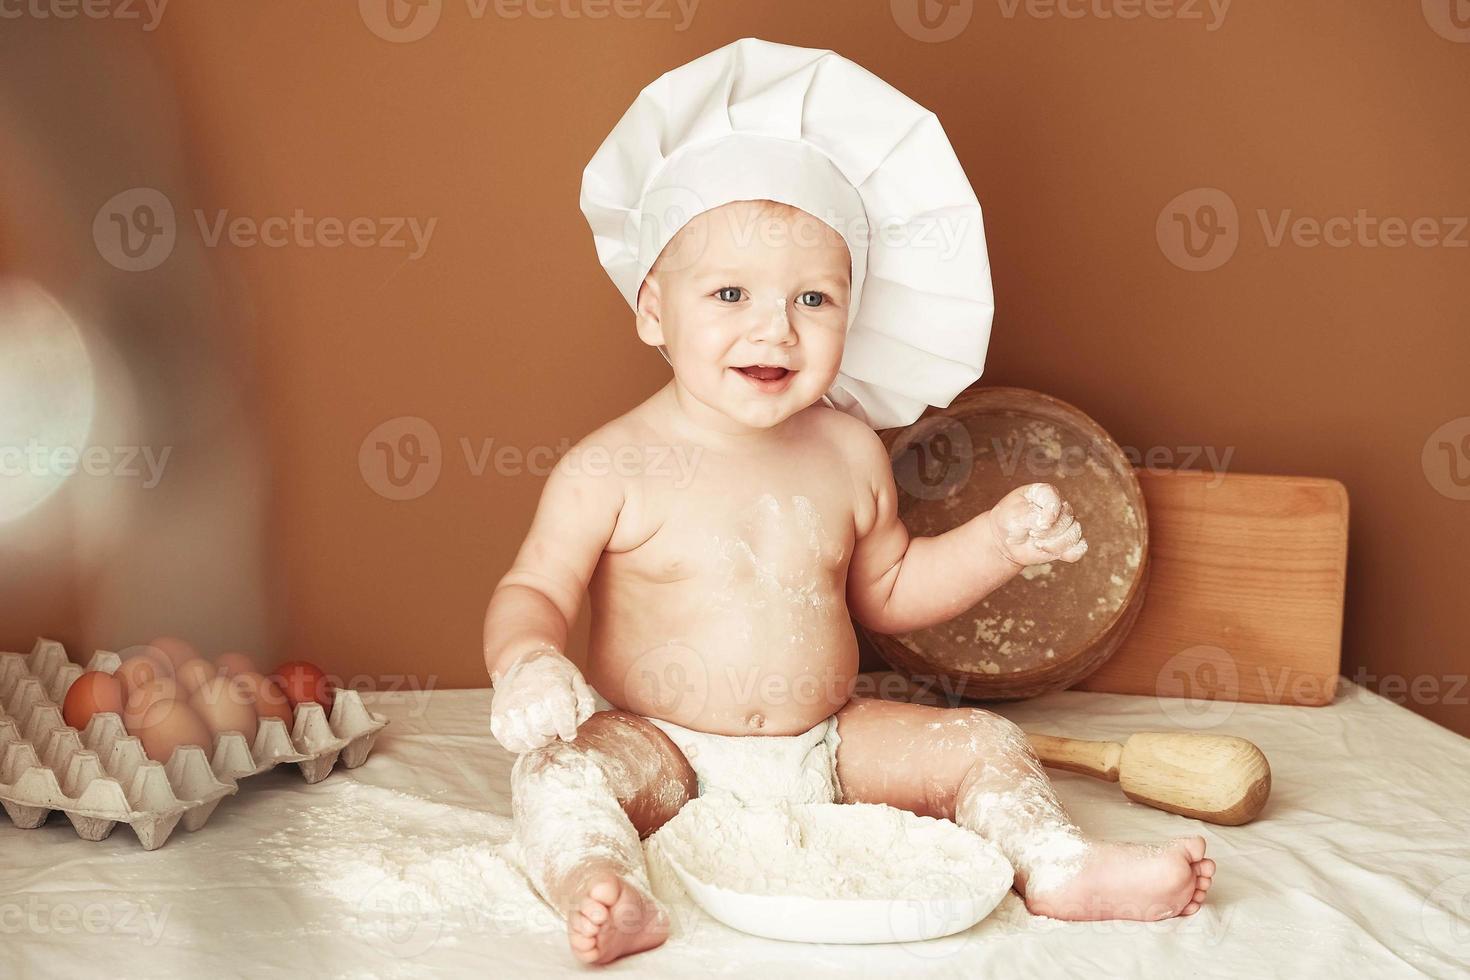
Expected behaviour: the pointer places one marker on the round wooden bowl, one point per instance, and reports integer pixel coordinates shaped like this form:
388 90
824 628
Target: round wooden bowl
1053 624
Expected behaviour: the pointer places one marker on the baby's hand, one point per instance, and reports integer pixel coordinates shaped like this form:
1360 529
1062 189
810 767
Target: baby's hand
1033 525
542 696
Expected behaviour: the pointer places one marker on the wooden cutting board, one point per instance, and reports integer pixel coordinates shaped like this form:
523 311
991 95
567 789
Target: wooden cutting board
1245 595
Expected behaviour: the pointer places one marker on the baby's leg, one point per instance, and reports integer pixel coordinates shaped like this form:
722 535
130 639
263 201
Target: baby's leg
977 769
580 809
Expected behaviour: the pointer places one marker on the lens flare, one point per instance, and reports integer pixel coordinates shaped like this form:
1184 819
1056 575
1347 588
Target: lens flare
47 397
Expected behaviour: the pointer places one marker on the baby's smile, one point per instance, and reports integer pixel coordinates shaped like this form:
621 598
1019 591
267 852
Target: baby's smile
765 378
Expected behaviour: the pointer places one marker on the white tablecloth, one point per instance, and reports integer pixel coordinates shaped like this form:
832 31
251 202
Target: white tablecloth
1359 867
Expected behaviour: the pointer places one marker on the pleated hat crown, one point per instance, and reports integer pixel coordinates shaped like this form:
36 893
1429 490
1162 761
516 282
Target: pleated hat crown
756 120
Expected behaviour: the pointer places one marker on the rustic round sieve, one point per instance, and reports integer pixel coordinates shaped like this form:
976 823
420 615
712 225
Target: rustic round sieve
1053 624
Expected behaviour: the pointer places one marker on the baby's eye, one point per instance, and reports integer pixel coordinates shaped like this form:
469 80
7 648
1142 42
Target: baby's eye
729 294
811 298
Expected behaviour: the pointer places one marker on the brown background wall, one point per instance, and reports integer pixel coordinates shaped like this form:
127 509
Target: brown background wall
1076 133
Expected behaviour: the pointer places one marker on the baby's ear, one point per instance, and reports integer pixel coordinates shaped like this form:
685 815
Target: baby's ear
650 323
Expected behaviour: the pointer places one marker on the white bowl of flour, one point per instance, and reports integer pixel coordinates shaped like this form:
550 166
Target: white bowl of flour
833 873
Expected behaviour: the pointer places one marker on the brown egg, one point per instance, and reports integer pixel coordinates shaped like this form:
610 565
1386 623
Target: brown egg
141 670
268 699
191 674
304 681
166 725
92 693
176 651
138 699
227 705
230 664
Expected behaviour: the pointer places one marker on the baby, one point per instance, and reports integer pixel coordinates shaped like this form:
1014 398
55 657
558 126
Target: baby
722 595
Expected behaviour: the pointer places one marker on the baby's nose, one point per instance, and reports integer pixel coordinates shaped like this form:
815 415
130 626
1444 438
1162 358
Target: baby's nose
776 324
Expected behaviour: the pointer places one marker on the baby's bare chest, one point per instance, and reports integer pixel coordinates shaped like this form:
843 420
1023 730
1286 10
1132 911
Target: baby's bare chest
757 524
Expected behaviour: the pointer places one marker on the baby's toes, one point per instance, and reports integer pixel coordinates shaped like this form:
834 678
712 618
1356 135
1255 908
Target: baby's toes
604 891
1194 849
582 937
594 913
580 925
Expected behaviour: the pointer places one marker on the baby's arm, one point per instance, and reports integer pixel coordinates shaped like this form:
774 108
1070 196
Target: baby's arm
539 694
896 583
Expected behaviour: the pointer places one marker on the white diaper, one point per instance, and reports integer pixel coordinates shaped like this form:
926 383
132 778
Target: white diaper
763 768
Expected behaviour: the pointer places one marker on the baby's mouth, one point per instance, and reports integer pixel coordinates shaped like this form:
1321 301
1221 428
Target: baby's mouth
762 372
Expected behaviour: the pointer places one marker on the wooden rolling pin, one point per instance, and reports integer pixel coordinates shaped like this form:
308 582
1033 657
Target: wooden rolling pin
1217 778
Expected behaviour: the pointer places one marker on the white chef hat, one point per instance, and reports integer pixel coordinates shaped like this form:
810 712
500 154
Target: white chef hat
808 128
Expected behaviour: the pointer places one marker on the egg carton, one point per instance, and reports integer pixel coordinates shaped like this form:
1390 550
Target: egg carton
100 777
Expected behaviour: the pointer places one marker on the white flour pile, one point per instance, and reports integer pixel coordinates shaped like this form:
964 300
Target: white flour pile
830 851
407 874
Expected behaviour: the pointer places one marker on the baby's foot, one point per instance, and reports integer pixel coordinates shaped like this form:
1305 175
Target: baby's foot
612 918
1130 881
1032 525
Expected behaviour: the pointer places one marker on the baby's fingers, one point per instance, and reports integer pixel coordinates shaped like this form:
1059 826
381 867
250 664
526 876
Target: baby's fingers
564 715
1048 504
1063 539
509 729
586 703
540 723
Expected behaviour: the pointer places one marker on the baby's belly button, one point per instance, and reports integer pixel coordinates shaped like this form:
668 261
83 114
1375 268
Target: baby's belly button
761 694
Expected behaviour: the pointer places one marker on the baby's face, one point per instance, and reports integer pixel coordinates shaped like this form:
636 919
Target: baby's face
748 286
